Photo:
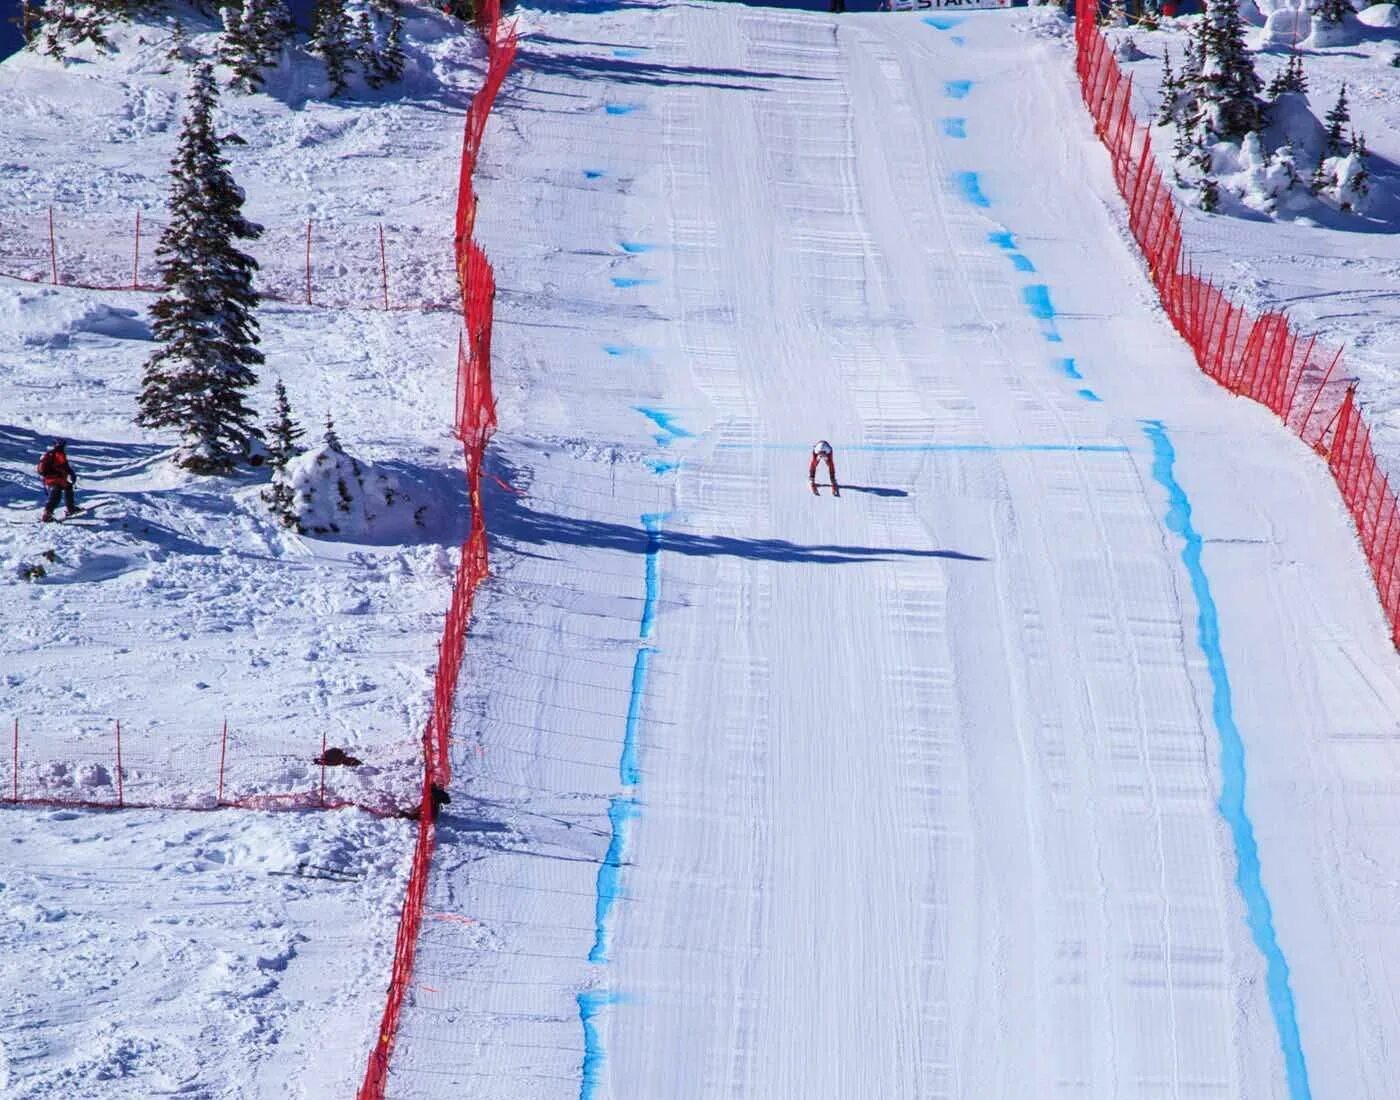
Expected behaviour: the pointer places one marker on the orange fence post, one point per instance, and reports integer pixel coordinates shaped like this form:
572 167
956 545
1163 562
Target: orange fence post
323 768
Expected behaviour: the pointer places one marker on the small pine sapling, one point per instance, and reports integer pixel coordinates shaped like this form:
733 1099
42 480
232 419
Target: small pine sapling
331 38
1171 89
1337 117
389 62
283 432
1332 11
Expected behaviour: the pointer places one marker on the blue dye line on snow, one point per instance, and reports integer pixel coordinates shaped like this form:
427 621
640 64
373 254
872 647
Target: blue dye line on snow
623 282
621 810
971 187
628 51
1037 299
619 350
1020 262
1089 395
667 423
941 22
941 448
1248 877
661 465
593 173
591 1003
622 108
957 89
1002 240
635 248
652 523
1071 371
955 127
958 40
627 765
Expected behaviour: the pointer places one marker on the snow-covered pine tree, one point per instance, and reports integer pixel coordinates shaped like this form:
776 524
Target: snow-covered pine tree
1290 78
1331 11
179 41
364 44
65 23
204 320
282 434
1337 117
1227 85
238 45
389 62
331 38
1170 89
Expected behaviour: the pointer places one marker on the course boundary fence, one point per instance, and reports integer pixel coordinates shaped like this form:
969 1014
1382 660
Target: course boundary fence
1260 356
110 780
475 421
38 250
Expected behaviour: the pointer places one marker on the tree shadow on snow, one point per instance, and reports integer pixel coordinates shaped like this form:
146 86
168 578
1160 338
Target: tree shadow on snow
510 518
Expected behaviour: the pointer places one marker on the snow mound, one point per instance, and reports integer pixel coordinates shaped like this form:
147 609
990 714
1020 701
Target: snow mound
47 317
1380 15
336 495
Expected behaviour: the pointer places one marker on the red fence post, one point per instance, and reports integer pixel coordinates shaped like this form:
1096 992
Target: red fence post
383 267
323 768
223 755
53 251
308 261
136 254
120 799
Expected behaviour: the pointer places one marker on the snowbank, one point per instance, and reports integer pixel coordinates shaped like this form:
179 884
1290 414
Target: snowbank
336 495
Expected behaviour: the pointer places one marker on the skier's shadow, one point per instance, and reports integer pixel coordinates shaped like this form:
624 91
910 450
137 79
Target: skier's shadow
874 490
509 516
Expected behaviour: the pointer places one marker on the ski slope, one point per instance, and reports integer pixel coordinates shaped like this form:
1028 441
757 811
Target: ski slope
1055 758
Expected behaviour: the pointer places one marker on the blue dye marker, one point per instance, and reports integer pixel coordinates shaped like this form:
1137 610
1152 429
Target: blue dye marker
955 127
941 22
957 89
621 810
1002 240
593 173
623 282
590 1004
652 522
667 423
1248 875
1021 263
1072 371
660 466
958 40
1089 395
622 108
627 51
1037 300
635 248
619 350
971 188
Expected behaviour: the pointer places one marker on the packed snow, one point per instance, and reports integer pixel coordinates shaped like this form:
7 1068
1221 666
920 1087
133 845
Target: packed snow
1058 754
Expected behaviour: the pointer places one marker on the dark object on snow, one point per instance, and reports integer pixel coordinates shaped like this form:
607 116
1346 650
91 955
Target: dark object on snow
440 799
334 758
59 479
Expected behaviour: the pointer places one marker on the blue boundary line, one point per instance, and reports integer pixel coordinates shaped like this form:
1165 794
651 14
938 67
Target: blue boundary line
1248 876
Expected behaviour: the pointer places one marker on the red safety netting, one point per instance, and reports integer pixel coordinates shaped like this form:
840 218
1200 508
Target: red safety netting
475 420
330 264
1261 356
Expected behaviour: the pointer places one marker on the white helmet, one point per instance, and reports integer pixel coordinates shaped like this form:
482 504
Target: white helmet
822 448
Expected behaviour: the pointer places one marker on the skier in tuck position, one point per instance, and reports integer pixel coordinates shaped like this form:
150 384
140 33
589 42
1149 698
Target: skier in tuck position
59 479
822 453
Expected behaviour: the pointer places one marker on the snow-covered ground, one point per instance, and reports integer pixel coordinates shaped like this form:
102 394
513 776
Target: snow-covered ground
1056 757
148 953
1335 273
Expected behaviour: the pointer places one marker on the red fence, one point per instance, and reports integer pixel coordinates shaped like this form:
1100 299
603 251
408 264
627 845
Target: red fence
100 765
364 266
475 421
1261 356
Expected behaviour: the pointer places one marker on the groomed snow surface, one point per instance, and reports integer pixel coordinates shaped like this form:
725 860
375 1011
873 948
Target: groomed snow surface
1055 758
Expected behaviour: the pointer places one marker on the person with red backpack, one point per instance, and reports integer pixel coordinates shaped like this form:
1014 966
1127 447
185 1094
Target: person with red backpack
59 479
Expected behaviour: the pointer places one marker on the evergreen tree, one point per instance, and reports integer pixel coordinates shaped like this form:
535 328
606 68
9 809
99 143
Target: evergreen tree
1227 84
1331 11
331 38
330 438
196 380
65 23
283 432
1337 117
179 42
253 38
1290 78
364 44
389 62
1171 88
